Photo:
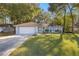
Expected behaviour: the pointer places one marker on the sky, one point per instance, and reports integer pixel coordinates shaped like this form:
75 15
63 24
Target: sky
44 6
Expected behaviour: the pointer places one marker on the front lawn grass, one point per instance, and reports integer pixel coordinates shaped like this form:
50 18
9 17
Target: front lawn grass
49 45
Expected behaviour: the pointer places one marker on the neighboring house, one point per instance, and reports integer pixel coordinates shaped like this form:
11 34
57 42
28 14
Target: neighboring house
7 25
55 28
6 28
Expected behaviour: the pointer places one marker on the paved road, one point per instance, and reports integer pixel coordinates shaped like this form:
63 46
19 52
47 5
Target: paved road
9 43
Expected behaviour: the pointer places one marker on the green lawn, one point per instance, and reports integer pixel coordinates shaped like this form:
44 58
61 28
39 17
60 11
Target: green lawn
47 45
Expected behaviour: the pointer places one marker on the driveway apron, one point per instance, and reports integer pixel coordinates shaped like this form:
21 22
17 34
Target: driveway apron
7 45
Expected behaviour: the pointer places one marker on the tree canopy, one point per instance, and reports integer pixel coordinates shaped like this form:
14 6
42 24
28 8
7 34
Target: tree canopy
19 13
65 12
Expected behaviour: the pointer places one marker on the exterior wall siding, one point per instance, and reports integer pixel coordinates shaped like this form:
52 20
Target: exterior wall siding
54 28
1 29
27 30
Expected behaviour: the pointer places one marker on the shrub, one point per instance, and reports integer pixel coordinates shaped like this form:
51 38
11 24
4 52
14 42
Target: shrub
67 48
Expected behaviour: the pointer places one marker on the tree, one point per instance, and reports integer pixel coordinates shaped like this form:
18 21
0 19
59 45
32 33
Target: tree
67 10
43 18
3 13
24 12
57 10
20 13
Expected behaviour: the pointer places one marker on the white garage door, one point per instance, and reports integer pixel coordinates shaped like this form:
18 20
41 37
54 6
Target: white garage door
27 30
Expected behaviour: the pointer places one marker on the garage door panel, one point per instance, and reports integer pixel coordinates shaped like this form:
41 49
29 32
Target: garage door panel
27 30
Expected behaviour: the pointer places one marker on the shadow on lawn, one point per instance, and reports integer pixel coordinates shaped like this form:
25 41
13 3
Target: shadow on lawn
76 38
43 45
38 46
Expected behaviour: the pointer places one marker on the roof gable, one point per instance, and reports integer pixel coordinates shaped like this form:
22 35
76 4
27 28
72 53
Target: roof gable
29 24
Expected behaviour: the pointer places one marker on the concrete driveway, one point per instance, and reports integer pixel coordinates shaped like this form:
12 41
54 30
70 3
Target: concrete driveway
10 43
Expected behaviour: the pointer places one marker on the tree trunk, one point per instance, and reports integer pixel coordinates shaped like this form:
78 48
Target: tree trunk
64 21
72 18
61 35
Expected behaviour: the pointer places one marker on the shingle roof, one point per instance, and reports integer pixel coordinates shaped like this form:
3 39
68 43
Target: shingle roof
29 24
